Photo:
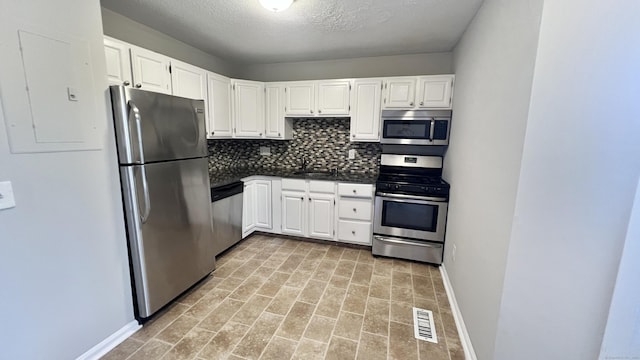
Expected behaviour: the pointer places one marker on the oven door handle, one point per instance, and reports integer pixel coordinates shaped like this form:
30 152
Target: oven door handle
400 242
411 197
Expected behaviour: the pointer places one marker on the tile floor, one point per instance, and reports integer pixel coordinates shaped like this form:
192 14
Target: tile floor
277 298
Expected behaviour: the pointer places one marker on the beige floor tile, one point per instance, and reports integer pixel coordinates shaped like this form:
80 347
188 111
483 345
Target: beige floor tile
273 284
296 321
123 350
331 302
401 279
224 341
312 292
245 270
279 349
362 274
309 264
380 287
228 268
247 288
230 284
345 268
383 267
402 343
341 349
350 254
401 294
366 257
255 341
420 269
324 271
372 347
177 329
334 253
159 322
194 295
292 262
376 317
190 345
320 328
427 304
264 272
402 266
153 349
339 282
356 299
310 350
251 310
283 300
423 287
348 326
209 302
221 314
401 312
298 279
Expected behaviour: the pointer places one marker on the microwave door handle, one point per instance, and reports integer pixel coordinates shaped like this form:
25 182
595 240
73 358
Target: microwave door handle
433 129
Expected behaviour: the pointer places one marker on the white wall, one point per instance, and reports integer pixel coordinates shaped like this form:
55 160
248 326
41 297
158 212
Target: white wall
63 257
580 170
418 64
128 30
622 334
494 68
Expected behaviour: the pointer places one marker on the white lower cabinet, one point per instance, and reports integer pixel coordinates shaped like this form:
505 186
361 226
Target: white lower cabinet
321 216
256 207
355 213
293 212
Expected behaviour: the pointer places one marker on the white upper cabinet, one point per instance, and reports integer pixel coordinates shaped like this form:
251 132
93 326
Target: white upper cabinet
277 126
219 102
400 93
365 119
333 97
150 70
188 81
118 62
248 108
435 92
300 98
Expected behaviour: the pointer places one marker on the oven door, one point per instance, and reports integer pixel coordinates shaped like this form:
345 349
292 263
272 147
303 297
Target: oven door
407 216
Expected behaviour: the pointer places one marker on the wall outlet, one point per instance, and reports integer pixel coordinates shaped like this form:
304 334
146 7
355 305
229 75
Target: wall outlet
265 150
352 154
453 253
7 200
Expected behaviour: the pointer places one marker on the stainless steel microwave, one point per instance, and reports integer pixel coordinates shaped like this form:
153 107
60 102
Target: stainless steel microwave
415 127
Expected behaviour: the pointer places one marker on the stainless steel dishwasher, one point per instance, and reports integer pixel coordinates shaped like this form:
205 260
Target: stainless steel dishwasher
226 213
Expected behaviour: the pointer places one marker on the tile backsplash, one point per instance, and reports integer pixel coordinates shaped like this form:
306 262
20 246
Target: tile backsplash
324 142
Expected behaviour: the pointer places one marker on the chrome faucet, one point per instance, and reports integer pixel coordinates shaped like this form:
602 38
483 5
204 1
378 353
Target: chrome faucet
303 165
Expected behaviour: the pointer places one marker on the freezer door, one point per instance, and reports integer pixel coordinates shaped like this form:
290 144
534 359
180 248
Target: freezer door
154 127
168 215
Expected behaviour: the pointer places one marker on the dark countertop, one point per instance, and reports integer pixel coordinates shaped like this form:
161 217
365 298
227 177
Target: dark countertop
225 177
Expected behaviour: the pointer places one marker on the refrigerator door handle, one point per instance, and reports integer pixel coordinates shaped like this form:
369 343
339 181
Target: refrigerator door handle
138 119
147 201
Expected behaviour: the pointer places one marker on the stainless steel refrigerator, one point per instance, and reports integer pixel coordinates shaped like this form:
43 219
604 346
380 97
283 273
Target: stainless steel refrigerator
162 152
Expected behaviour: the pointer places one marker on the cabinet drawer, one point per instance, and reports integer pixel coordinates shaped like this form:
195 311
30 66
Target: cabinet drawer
322 187
294 184
354 232
356 190
356 209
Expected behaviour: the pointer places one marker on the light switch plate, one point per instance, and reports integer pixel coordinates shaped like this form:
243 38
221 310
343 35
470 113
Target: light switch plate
352 154
7 200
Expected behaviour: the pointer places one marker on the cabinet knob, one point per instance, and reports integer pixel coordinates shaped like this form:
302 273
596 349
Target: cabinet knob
138 86
309 199
354 191
126 83
353 136
421 103
411 103
353 232
213 133
311 111
354 210
260 134
278 134
319 111
302 198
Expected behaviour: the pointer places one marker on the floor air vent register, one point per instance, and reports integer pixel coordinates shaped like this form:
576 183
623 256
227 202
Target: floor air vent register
423 326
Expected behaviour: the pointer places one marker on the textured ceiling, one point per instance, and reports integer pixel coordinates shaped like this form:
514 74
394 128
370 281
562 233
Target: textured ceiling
242 30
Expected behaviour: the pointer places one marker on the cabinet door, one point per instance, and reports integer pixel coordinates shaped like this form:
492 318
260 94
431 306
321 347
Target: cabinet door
300 98
263 204
333 97
248 208
150 70
293 213
118 62
188 81
248 109
274 111
435 91
321 215
219 101
365 120
400 93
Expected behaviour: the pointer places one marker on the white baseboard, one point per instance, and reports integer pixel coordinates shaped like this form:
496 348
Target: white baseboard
111 342
469 354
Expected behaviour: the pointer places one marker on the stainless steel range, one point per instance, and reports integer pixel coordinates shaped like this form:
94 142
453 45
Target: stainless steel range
410 208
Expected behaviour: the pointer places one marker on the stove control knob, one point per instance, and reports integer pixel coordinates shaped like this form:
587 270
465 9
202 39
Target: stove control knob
397 187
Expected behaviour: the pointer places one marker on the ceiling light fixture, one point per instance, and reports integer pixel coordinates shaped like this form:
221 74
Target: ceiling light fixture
276 5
